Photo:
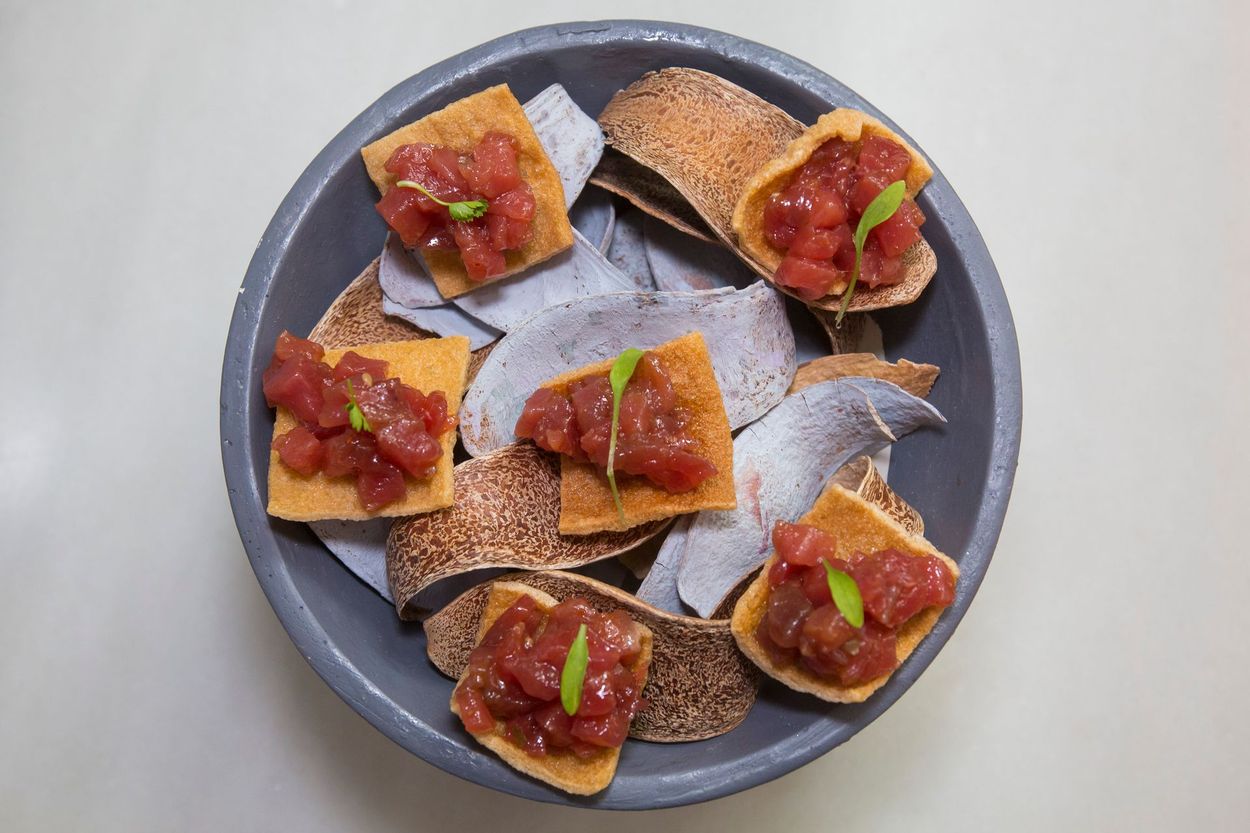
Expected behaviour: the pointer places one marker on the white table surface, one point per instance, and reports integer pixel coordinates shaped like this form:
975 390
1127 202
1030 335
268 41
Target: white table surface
1099 680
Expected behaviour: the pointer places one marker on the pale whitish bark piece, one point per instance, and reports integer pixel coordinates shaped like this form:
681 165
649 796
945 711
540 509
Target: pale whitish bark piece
594 215
361 546
446 320
627 251
679 262
781 463
748 337
578 272
659 586
404 279
572 139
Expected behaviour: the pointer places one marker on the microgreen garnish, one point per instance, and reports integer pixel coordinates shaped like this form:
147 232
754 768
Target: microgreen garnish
354 415
878 211
622 370
846 596
462 211
574 673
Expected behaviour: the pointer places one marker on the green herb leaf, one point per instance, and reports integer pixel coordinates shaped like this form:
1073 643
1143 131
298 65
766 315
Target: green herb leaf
878 211
468 210
574 673
354 415
622 370
462 211
846 596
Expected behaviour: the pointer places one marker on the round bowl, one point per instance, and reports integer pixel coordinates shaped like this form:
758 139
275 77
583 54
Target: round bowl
326 231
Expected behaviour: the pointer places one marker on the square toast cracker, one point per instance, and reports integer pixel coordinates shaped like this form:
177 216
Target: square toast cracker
844 123
586 501
565 771
426 364
858 526
461 125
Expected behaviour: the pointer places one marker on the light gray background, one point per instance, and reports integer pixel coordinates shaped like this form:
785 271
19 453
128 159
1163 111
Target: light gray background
1099 680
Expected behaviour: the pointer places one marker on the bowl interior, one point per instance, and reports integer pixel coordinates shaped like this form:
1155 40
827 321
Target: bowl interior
326 232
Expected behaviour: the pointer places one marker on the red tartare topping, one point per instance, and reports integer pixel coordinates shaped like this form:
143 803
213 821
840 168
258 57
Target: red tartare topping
651 442
488 173
403 423
802 624
813 219
513 679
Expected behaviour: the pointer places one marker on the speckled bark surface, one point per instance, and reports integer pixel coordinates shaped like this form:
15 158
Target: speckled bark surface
507 514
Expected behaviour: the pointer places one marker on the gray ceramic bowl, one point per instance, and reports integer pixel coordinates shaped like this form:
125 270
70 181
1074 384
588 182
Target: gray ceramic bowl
326 231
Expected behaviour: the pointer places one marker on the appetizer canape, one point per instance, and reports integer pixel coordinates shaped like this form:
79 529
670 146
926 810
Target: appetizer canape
798 205
699 685
846 596
471 188
804 215
552 686
642 437
363 432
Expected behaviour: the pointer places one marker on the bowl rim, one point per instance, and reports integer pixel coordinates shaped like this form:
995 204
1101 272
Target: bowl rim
301 622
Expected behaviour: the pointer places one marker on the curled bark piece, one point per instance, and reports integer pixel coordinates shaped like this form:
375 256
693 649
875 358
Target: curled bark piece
507 514
445 319
649 192
361 547
704 135
709 138
864 479
699 685
627 251
355 316
781 463
579 272
476 359
846 338
750 342
916 379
